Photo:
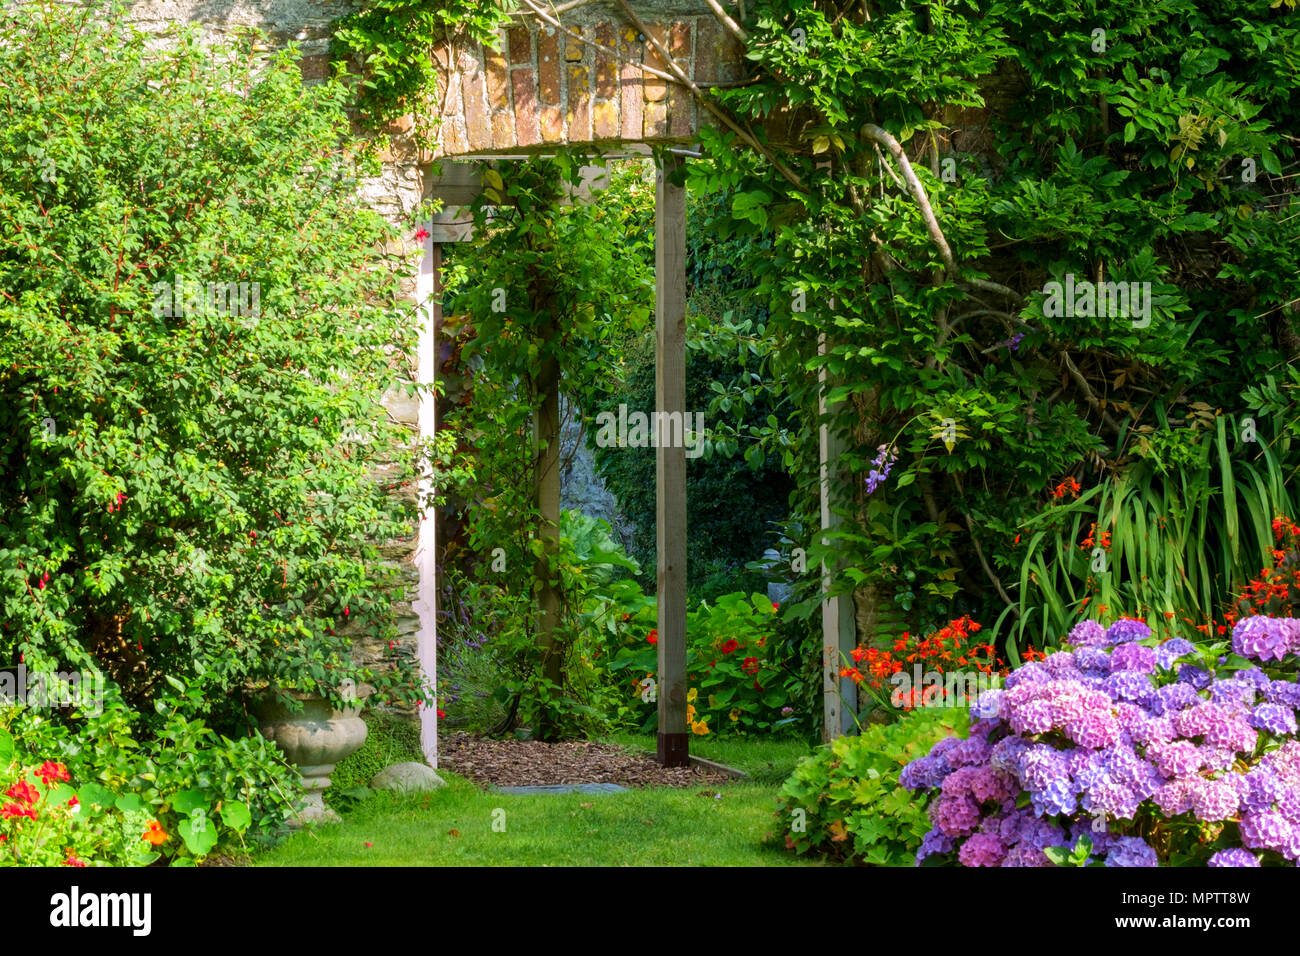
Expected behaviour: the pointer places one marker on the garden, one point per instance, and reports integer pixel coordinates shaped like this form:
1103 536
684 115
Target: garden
990 332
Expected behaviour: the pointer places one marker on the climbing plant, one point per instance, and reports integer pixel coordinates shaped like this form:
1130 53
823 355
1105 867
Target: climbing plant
942 165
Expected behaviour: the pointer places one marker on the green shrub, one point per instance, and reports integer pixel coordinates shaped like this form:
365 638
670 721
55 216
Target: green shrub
739 672
186 479
845 800
197 791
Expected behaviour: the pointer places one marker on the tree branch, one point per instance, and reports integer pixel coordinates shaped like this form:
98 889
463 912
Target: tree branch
997 583
1087 391
877 134
728 24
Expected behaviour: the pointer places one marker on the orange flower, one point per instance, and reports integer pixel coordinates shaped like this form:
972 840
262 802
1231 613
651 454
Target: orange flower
155 834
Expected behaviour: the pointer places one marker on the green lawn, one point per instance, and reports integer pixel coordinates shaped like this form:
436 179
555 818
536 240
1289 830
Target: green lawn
656 827
765 760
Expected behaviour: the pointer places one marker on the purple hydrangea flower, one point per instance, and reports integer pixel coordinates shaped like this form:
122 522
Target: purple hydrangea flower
1260 638
1131 851
982 849
1125 631
1132 657
1270 831
1087 634
1274 718
1169 652
1235 856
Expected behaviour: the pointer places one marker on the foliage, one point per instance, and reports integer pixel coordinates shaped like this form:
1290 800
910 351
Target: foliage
737 667
733 500
845 802
1160 753
1176 542
1125 157
188 481
538 302
195 791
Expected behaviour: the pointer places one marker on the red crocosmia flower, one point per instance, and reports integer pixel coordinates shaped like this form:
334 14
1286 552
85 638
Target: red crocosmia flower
653 637
750 665
10 810
730 646
776 605
442 714
23 792
50 772
421 235
72 860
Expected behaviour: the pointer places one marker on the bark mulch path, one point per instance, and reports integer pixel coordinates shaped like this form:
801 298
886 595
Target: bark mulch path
525 763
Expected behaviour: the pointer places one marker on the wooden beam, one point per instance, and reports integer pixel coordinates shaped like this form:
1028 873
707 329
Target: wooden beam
839 694
670 463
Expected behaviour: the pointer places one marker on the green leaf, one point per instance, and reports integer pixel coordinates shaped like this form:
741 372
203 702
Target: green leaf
6 748
199 834
93 795
130 803
236 815
187 801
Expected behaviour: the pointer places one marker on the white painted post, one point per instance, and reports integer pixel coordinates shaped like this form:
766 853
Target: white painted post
426 604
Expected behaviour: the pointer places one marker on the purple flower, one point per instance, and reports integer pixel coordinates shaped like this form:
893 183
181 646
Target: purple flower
1124 631
1235 856
1274 718
934 842
982 849
1087 634
1132 657
880 466
1131 851
1270 831
1260 638
1176 759
1214 799
1169 652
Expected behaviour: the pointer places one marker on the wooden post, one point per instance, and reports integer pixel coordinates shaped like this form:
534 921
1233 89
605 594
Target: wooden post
839 694
670 463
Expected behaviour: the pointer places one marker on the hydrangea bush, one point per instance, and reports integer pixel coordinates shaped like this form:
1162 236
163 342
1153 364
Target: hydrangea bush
1132 751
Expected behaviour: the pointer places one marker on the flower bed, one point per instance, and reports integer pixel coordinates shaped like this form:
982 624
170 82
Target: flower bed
1128 751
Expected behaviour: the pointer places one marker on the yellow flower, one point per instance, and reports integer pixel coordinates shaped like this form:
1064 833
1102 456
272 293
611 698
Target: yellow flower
735 714
693 693
700 727
690 713
713 700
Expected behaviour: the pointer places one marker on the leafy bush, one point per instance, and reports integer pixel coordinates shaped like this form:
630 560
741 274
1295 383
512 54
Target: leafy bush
121 802
1129 750
844 801
187 469
738 671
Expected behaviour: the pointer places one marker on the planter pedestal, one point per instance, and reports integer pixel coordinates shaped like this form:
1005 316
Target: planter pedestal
314 739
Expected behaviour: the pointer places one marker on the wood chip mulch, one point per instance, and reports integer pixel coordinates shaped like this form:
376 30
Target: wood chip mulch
529 763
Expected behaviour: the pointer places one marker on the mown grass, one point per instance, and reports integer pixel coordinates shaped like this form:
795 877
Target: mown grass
721 825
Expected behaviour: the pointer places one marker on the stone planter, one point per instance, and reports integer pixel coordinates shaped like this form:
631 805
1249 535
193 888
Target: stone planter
314 739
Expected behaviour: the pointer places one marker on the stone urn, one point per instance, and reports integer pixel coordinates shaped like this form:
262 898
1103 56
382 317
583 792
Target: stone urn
314 739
